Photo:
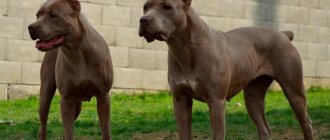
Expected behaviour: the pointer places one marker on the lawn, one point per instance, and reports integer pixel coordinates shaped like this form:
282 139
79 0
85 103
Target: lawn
150 116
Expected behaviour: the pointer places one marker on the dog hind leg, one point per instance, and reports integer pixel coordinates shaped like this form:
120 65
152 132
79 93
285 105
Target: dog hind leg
254 96
295 93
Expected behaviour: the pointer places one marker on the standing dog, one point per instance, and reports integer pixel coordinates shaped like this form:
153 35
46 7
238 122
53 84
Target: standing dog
77 62
213 66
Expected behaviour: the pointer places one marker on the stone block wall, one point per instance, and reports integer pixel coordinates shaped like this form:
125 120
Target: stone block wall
142 66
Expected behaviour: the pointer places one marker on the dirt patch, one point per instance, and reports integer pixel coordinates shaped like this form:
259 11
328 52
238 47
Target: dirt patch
167 136
289 134
293 134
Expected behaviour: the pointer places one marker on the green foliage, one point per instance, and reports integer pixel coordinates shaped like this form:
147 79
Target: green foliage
151 113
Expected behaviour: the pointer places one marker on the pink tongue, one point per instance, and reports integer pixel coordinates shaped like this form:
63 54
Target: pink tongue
164 37
50 43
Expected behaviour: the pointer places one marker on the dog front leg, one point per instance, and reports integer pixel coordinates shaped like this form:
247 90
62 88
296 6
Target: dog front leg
183 113
217 114
46 95
47 90
68 115
103 109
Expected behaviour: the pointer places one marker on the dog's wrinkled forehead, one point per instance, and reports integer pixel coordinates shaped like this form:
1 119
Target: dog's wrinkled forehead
149 4
54 6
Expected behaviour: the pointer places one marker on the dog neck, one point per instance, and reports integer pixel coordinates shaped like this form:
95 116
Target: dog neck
187 41
77 50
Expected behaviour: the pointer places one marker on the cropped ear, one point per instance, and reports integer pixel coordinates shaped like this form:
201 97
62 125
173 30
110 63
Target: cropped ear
187 2
75 5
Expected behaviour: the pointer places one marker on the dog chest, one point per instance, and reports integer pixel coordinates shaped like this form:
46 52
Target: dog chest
79 90
192 87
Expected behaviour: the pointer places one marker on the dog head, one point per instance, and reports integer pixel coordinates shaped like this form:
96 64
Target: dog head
57 22
163 18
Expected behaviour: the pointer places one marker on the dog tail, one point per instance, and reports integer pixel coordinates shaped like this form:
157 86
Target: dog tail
289 34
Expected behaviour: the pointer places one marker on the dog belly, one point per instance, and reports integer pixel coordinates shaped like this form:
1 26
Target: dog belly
233 92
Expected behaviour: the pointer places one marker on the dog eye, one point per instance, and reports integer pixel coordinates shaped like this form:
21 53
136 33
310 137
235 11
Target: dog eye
145 8
52 15
167 7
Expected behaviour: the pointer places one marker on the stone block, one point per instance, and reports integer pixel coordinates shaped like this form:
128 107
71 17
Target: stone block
256 10
242 23
325 4
156 45
283 2
21 50
161 60
277 13
317 51
302 48
94 1
328 19
10 72
318 17
323 69
309 68
155 80
3 7
31 73
307 33
120 56
223 24
131 3
233 9
93 12
311 82
11 27
128 37
26 23
127 78
275 86
298 15
328 52
22 91
116 15
206 8
123 91
3 48
324 35
3 92
136 14
109 1
41 56
23 8
324 82
289 27
259 23
141 58
107 32
310 3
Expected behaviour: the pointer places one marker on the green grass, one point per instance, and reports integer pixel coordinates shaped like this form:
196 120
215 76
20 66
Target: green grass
148 113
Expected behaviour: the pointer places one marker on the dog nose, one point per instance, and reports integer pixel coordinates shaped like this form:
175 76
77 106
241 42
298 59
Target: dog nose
145 20
33 31
31 28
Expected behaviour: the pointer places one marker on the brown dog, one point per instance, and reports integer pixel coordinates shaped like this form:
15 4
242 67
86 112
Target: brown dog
213 66
80 68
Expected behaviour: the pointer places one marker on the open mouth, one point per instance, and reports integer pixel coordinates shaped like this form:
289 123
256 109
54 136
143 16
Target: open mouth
161 36
158 36
49 44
